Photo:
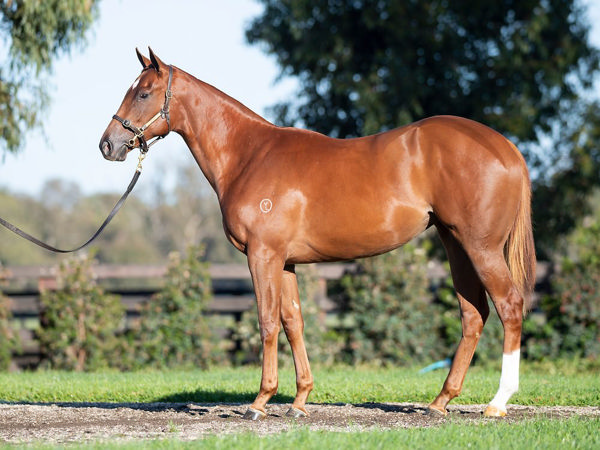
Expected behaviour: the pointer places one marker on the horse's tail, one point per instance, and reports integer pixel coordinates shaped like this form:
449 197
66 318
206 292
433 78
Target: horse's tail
520 248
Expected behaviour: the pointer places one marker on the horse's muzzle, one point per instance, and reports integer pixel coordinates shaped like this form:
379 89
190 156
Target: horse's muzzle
111 153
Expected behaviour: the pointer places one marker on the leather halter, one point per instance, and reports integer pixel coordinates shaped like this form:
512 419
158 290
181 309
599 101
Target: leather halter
138 133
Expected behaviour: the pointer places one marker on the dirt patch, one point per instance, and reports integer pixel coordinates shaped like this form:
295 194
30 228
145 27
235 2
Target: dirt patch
68 422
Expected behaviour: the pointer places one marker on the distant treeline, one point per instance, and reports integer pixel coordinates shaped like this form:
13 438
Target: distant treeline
144 231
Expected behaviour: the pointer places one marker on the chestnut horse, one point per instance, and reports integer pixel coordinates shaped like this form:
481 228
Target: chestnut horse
291 196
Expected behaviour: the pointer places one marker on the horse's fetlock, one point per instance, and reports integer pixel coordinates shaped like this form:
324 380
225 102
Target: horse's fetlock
270 389
305 385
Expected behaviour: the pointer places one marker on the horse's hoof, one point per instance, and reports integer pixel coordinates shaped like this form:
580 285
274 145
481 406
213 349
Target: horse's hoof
295 413
493 411
436 411
254 414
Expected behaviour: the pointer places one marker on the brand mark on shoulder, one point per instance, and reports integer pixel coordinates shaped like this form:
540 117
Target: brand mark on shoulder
266 205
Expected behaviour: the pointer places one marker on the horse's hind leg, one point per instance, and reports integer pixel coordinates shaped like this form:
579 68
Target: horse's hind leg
474 311
495 275
293 324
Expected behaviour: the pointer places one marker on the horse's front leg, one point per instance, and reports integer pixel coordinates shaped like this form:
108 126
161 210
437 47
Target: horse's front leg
293 324
266 269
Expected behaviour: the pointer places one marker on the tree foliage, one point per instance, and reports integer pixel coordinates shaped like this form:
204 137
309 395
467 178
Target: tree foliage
523 67
568 323
142 232
37 32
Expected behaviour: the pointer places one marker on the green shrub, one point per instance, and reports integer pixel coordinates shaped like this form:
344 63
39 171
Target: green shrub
567 323
9 338
391 314
572 325
172 330
79 323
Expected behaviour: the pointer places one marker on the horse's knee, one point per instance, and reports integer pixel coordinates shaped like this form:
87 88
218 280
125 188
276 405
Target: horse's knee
269 331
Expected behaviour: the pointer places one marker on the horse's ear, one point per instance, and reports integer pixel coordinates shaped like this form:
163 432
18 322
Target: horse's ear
155 61
143 60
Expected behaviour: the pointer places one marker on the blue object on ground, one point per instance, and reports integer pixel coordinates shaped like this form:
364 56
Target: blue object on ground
437 365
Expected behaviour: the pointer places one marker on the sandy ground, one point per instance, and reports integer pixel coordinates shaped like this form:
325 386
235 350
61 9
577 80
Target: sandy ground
77 422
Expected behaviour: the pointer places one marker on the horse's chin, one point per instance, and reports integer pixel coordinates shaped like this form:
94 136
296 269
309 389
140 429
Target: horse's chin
122 155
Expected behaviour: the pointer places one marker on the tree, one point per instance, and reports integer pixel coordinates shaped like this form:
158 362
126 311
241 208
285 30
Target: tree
522 67
37 33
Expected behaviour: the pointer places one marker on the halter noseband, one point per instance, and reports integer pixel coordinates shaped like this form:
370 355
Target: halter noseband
139 132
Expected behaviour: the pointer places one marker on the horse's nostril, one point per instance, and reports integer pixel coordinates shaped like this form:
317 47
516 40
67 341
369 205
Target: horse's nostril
106 147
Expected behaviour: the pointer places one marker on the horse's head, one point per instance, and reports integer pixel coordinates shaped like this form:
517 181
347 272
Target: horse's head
136 121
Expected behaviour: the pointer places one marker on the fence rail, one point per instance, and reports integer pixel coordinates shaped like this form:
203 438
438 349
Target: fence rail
135 284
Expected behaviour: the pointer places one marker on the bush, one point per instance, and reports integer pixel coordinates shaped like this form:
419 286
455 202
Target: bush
9 338
568 320
390 311
172 330
79 323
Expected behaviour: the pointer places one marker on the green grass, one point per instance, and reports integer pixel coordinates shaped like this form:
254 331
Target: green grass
567 383
540 385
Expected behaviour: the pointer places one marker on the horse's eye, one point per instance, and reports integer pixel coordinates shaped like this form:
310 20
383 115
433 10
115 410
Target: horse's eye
144 95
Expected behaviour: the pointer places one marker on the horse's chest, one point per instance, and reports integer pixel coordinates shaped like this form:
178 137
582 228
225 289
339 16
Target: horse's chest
264 216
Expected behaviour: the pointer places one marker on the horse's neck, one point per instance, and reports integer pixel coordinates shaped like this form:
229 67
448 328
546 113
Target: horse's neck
221 133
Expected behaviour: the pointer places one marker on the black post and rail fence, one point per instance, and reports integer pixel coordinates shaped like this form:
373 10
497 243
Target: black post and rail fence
135 284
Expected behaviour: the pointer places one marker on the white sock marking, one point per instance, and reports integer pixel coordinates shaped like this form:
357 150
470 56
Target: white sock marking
509 380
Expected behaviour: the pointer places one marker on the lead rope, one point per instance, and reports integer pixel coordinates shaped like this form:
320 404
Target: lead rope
111 215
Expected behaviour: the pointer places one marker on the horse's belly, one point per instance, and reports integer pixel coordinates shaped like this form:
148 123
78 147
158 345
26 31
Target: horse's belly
356 233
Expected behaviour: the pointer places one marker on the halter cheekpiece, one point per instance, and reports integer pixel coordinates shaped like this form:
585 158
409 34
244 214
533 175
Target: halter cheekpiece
139 132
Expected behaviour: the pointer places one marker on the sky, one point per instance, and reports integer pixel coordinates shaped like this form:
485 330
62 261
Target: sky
202 37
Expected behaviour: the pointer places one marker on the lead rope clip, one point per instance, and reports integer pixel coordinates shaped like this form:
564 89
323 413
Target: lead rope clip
140 159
